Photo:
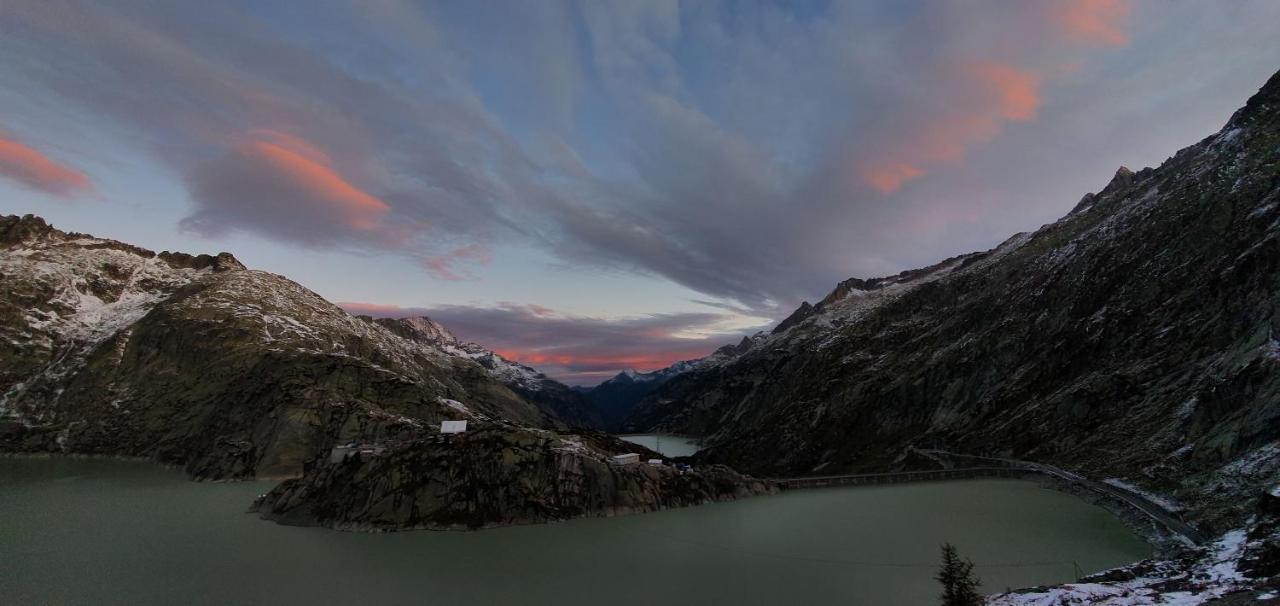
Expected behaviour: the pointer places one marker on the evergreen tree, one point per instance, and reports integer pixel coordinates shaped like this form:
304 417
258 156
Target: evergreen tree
959 585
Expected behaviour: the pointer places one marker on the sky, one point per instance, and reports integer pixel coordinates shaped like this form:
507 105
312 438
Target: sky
587 186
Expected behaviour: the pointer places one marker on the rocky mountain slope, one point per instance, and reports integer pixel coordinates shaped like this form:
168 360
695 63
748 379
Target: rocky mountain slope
616 398
567 406
196 361
1136 338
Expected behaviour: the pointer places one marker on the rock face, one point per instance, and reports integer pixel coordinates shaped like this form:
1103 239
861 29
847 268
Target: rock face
560 403
494 475
107 348
1137 337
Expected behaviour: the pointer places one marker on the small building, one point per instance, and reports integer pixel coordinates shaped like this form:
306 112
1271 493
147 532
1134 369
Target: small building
630 458
453 426
341 453
655 462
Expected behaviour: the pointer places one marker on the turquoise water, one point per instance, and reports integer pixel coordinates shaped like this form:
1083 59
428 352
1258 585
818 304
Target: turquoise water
671 446
75 531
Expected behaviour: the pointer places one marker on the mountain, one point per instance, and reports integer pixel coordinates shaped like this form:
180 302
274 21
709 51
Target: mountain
108 348
615 398
199 362
561 402
1135 338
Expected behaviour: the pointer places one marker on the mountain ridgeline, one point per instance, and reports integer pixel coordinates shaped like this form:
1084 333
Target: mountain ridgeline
615 399
1137 337
229 373
196 361
561 403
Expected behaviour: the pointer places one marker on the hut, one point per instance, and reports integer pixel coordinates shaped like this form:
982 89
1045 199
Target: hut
625 459
453 426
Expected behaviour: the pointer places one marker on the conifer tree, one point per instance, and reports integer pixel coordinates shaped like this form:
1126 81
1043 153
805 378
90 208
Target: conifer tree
959 585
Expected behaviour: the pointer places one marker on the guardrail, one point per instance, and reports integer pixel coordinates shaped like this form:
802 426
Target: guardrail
897 477
1156 512
998 467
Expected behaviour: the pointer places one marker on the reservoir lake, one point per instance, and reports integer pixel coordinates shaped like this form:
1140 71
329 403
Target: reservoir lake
95 531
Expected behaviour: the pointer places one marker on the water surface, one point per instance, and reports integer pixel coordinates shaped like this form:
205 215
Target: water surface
78 531
672 446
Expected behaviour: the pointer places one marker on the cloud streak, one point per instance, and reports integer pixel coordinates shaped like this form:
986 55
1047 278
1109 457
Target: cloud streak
1093 22
282 186
28 167
754 156
983 97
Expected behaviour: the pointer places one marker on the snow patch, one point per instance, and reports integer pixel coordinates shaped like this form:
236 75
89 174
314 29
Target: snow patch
456 405
1213 575
1167 503
1254 462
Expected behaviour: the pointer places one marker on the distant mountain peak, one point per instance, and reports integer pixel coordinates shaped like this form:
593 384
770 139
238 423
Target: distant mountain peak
421 329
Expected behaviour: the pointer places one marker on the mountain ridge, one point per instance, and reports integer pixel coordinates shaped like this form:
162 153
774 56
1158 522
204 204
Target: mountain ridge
616 397
85 316
1158 292
564 403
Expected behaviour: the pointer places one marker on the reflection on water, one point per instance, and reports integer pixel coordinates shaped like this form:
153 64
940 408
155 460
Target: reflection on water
671 446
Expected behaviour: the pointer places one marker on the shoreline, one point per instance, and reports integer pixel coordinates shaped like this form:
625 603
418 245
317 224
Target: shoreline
141 459
682 436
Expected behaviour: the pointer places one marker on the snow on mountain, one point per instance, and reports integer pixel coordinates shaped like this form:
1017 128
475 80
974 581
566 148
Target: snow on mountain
425 331
195 360
558 400
72 292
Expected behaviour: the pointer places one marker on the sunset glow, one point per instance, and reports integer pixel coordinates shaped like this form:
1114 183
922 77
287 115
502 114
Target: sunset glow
607 185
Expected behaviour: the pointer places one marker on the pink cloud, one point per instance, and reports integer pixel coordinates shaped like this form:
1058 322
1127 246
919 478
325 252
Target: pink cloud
986 96
1093 22
35 170
280 185
304 167
454 264
572 347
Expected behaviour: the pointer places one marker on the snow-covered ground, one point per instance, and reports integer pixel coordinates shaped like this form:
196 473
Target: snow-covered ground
89 290
1212 573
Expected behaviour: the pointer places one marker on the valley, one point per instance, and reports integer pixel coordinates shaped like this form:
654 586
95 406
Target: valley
1125 357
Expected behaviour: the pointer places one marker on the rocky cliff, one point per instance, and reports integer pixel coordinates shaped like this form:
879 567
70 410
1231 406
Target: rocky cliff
495 474
1135 338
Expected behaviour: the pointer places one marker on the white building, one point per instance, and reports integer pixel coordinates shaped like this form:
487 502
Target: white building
453 426
625 459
